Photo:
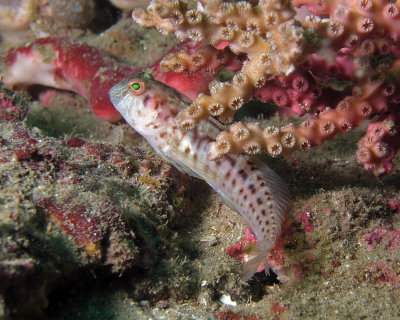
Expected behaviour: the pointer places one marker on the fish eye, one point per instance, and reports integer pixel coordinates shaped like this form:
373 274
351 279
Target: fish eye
137 86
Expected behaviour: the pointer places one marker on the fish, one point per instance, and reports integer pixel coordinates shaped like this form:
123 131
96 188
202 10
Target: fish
247 186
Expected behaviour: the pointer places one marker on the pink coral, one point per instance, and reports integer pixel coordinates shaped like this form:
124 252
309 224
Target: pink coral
339 83
345 74
378 147
62 64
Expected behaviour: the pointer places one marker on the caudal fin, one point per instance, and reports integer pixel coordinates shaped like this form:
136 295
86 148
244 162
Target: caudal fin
256 257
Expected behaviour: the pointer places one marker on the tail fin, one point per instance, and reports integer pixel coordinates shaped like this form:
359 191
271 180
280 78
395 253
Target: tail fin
256 257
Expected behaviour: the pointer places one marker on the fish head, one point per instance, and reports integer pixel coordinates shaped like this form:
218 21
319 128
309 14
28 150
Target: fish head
147 105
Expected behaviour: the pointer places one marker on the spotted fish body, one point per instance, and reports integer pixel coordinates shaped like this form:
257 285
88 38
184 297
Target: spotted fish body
250 188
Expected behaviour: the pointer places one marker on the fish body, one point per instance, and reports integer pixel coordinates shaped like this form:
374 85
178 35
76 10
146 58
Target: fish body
250 188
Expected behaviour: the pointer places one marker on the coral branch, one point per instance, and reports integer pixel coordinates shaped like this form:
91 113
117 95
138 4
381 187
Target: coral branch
261 32
336 61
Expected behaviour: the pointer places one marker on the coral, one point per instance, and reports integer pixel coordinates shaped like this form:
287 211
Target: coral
259 34
370 18
318 66
378 147
339 83
58 63
61 63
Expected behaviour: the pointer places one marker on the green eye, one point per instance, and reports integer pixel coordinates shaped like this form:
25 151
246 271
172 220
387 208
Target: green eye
137 86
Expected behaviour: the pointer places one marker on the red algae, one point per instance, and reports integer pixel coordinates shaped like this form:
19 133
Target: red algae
230 315
304 218
384 238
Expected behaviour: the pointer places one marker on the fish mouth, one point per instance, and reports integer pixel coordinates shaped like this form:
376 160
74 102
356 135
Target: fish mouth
119 91
123 101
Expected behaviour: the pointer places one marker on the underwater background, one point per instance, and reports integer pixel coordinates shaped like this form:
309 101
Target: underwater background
94 225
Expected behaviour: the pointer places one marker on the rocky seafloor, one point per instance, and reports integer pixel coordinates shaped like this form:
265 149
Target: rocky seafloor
94 225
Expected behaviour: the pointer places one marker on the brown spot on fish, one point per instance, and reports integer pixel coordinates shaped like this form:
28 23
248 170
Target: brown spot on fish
259 201
252 189
187 150
146 99
162 135
259 178
228 174
263 212
241 191
243 174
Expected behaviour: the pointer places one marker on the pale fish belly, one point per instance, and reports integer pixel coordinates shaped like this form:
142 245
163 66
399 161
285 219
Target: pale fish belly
251 189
